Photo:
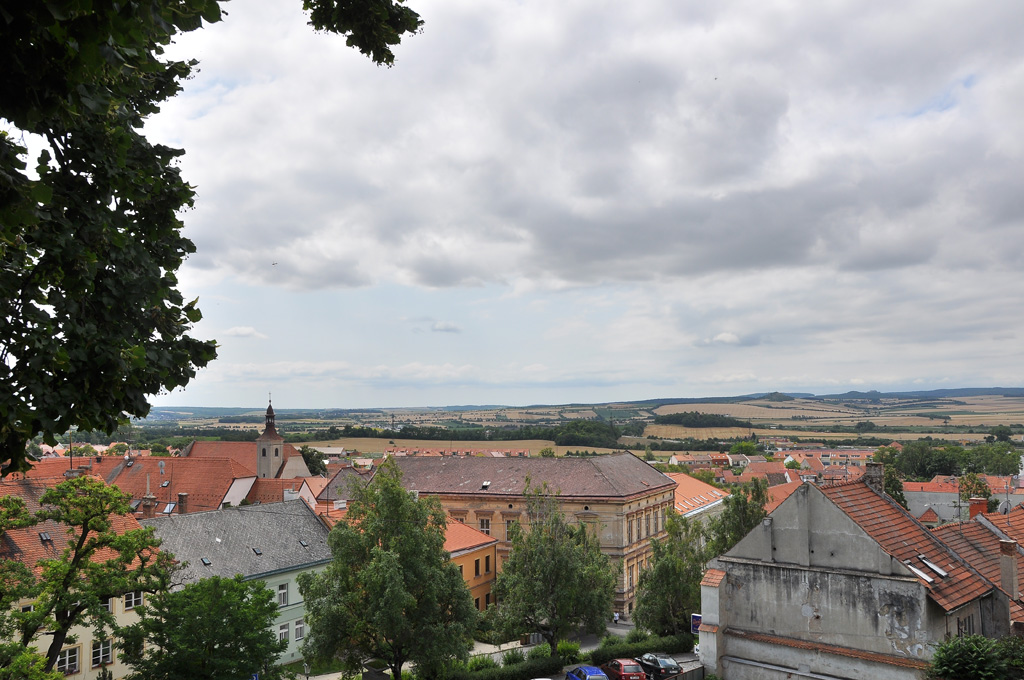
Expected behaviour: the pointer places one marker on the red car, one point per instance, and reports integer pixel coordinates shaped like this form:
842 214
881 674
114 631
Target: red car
624 669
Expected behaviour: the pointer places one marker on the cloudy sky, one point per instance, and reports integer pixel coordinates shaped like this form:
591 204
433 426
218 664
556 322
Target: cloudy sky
585 200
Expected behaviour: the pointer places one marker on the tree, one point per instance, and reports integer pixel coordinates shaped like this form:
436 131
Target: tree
744 448
973 486
390 591
792 465
556 578
893 485
744 510
91 319
669 591
100 560
315 460
215 629
1002 433
969 656
547 452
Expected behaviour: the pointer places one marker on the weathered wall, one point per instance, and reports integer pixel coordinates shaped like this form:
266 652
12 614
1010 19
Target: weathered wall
752 660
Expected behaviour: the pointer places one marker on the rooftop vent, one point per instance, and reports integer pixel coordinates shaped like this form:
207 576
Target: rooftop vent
206 562
257 551
485 486
303 543
130 463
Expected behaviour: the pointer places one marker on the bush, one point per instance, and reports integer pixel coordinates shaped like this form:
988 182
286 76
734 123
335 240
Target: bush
631 650
1012 650
611 639
512 657
569 651
541 651
972 656
479 663
531 668
637 635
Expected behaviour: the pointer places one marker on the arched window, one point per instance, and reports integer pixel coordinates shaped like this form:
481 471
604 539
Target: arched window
264 452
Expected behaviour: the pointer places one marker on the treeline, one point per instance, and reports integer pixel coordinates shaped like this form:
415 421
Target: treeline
696 419
922 460
593 433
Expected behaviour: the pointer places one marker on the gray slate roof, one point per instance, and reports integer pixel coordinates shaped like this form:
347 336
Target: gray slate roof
227 538
617 475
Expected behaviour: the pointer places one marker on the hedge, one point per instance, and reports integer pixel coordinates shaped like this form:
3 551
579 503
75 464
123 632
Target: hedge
531 668
631 650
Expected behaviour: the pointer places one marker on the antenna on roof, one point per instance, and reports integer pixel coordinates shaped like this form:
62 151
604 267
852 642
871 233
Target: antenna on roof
161 464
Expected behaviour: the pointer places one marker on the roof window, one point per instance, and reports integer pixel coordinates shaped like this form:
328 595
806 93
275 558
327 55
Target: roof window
165 483
303 544
44 536
169 509
920 574
257 551
934 567
206 561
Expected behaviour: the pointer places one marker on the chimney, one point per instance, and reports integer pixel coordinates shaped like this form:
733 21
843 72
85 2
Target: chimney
148 503
1009 579
977 506
182 503
874 476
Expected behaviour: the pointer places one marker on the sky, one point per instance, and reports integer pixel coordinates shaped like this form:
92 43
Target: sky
593 201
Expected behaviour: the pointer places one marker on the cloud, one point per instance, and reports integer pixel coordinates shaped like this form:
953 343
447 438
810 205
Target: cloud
243 332
445 327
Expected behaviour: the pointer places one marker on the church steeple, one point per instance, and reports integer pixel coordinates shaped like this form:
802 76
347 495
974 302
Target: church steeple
269 449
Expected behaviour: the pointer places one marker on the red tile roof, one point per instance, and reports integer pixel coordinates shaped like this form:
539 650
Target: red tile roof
712 578
928 515
205 480
979 546
777 494
692 494
243 453
272 490
459 537
27 545
903 537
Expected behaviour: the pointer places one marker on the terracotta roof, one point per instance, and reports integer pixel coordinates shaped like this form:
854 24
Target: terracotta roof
205 480
316 484
243 453
979 546
712 578
617 475
829 649
693 495
777 494
929 515
707 628
338 486
1011 524
29 545
459 537
903 537
272 490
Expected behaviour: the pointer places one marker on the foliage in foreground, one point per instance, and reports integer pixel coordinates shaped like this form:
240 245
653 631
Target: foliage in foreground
214 629
671 644
390 591
556 578
971 656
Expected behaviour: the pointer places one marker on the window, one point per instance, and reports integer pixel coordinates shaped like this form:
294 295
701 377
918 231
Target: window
647 529
629 530
67 661
476 569
300 629
638 528
282 632
487 600
132 600
28 608
101 653
460 571
485 526
264 452
631 576
487 564
108 604
282 595
508 529
476 603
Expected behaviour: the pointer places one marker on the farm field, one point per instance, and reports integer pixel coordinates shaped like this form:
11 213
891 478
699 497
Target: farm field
367 445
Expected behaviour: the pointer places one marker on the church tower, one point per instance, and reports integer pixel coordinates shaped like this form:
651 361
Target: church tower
269 449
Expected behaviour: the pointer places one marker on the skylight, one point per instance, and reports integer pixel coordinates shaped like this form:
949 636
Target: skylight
44 536
169 509
303 544
920 574
166 482
934 567
206 562
257 551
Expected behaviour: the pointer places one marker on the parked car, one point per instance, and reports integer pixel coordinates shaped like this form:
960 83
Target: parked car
659 666
623 669
586 673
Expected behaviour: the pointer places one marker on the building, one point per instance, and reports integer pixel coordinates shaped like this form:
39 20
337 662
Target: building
272 542
695 499
476 555
841 582
623 498
85 655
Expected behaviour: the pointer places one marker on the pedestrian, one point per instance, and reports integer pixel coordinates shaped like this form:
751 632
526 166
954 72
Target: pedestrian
615 617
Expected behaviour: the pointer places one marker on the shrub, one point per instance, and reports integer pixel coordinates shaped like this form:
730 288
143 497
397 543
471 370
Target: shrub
512 657
610 639
531 668
479 663
637 635
541 651
1012 650
569 651
972 656
631 650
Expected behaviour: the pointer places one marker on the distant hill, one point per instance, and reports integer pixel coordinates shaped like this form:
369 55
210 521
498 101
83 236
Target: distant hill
873 395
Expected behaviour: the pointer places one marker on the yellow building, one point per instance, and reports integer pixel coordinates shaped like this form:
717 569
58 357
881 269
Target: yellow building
475 554
623 498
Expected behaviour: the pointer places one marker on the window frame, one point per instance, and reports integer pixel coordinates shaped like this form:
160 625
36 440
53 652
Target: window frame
105 650
64 661
282 595
133 599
